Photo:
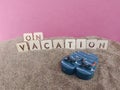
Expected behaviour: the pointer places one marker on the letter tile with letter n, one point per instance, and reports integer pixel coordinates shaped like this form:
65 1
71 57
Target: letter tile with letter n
34 45
38 36
70 43
46 44
28 36
102 44
58 43
22 47
81 43
92 43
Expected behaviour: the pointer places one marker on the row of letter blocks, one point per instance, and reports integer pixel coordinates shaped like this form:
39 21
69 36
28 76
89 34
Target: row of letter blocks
35 42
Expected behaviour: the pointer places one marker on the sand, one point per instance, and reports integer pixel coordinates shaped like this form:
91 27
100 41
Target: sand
40 70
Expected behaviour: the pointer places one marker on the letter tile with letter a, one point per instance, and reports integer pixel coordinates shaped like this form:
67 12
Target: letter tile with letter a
34 45
58 43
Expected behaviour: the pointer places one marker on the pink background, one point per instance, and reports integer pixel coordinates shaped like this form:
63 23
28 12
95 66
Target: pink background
60 18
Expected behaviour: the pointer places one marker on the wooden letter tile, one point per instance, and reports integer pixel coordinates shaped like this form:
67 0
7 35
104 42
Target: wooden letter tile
46 44
70 43
92 43
81 43
38 36
34 45
102 44
28 36
58 43
22 47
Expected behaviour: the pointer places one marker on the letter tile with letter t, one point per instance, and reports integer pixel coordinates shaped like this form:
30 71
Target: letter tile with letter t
70 43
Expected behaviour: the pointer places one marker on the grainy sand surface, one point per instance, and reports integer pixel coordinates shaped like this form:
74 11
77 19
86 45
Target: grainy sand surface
40 70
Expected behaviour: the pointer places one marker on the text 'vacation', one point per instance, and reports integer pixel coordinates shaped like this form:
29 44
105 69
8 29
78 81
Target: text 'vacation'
34 41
